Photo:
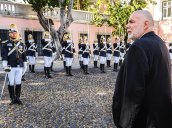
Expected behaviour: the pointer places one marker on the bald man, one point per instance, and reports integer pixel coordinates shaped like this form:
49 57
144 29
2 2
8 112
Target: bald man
143 90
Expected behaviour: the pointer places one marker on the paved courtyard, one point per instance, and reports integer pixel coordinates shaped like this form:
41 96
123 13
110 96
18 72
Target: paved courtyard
80 101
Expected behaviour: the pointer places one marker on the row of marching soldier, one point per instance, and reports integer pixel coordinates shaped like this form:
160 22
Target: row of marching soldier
102 52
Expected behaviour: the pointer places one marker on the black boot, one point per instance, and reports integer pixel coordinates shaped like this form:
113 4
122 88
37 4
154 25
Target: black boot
23 78
86 70
107 61
45 71
83 68
80 63
48 73
70 71
11 93
51 68
30 68
103 68
67 73
95 64
64 64
114 68
33 68
17 92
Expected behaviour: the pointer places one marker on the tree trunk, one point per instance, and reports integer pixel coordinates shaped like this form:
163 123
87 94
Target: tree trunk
64 21
78 5
48 26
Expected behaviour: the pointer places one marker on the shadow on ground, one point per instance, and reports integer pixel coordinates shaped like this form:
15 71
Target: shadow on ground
80 101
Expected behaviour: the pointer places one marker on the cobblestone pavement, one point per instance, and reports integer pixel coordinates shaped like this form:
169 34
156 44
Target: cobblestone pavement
80 101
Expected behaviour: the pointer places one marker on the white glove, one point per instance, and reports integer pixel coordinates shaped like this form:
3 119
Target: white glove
24 68
5 66
36 54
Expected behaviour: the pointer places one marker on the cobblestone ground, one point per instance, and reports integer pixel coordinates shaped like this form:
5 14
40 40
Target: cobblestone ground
80 101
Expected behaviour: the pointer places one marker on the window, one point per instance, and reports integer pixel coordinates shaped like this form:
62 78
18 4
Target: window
166 9
3 36
83 35
99 37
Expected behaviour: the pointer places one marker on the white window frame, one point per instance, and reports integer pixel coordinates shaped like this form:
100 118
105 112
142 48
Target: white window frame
166 8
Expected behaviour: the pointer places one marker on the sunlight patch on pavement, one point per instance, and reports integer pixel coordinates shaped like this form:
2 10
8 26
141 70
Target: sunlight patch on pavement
4 101
101 93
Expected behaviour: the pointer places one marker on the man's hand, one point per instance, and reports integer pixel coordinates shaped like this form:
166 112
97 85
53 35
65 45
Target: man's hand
36 54
5 66
24 68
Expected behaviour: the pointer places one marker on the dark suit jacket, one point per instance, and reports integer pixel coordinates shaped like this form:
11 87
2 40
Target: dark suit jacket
143 90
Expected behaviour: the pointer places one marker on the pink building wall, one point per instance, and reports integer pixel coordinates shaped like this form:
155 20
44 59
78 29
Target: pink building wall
165 30
162 28
75 28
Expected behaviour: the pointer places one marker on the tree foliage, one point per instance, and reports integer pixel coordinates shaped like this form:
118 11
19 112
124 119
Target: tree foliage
118 13
82 4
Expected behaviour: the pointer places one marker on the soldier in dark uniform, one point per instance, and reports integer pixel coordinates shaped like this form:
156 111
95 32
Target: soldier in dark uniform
116 54
129 42
54 55
102 49
170 51
31 53
109 52
14 56
69 51
63 51
24 68
86 55
47 44
96 52
80 46
122 52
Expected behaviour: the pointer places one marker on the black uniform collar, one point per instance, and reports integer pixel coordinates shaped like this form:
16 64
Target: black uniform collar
148 34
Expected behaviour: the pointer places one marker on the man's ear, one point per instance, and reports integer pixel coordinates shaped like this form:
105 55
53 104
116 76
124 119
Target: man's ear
146 24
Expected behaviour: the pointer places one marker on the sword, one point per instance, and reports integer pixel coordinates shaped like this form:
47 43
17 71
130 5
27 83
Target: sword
4 85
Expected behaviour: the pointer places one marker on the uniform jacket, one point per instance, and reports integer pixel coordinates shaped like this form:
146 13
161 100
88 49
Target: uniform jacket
143 90
80 46
17 57
69 49
86 51
170 48
96 49
47 49
116 50
63 47
122 48
31 48
102 48
109 48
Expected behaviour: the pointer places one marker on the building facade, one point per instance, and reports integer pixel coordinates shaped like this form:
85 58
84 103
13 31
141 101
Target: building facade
27 22
162 13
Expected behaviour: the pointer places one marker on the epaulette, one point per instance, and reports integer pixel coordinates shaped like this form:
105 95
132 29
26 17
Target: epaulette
3 42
